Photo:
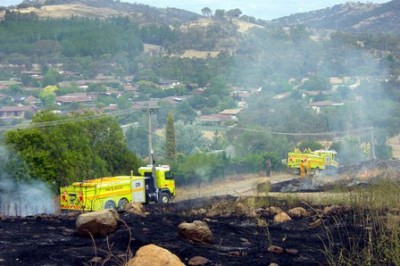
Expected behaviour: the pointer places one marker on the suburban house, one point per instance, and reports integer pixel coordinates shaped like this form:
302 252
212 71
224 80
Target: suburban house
213 120
316 106
168 84
18 111
74 98
140 105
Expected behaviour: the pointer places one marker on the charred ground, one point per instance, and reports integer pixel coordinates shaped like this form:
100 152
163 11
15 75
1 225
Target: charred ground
53 240
242 227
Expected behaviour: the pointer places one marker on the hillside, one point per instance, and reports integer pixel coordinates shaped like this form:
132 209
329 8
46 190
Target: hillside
139 13
355 17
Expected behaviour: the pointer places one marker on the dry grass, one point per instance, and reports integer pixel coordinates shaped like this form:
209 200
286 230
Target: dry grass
68 10
236 185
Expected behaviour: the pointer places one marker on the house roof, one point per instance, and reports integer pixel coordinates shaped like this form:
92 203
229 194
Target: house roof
142 104
324 104
213 118
74 98
235 111
18 108
31 99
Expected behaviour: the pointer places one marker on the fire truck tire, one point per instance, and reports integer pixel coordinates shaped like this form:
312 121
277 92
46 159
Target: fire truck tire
121 204
110 205
164 198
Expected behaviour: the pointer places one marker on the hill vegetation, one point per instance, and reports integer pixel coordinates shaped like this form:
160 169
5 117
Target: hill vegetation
260 90
352 16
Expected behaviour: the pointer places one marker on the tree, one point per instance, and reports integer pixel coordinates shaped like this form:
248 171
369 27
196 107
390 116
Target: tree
170 144
137 140
206 11
64 149
48 96
234 13
52 77
188 138
219 14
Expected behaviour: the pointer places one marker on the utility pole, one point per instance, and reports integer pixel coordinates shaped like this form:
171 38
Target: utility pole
151 110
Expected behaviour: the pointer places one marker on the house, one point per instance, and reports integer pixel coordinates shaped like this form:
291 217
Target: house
316 106
231 112
174 100
168 84
110 108
140 105
213 120
32 100
18 111
74 98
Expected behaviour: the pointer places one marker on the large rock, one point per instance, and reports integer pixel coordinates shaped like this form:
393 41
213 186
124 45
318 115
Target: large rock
152 255
281 217
198 231
96 223
273 210
298 212
135 208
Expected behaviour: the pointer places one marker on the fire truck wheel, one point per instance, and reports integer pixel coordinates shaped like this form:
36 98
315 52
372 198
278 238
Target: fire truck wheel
164 198
122 203
110 205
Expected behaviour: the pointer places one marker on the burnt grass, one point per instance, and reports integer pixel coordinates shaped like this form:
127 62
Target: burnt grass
53 240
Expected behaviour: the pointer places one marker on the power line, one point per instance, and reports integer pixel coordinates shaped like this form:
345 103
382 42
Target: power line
68 120
332 133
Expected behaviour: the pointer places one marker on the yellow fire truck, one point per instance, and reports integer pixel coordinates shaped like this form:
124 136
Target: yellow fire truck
115 192
316 160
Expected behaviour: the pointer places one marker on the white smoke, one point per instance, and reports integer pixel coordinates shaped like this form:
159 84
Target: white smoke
23 198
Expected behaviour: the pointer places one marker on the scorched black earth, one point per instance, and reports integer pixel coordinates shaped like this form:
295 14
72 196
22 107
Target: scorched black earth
237 240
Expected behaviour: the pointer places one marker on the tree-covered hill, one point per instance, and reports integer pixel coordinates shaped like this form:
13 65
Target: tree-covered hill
353 16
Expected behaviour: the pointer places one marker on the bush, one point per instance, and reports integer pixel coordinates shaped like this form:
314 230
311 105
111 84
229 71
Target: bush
200 167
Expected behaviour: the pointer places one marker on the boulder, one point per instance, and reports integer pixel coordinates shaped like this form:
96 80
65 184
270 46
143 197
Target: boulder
198 231
96 223
281 218
273 210
135 208
152 255
298 212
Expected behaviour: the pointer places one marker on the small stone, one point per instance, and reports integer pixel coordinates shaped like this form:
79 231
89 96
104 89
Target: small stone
96 260
291 251
275 249
198 261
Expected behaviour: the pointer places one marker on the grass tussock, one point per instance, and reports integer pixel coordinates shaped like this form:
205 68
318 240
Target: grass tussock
370 235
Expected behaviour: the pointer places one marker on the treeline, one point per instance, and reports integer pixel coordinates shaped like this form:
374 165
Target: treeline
75 37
